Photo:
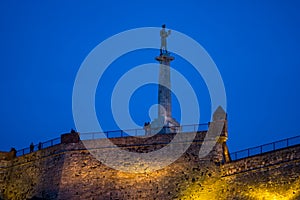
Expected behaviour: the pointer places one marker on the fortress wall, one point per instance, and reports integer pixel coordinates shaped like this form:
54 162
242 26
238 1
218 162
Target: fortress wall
69 171
35 173
4 165
97 181
266 160
273 175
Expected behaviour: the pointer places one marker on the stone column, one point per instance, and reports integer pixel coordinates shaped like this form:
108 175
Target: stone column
164 94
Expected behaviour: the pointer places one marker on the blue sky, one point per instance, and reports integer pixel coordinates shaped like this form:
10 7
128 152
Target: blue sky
255 45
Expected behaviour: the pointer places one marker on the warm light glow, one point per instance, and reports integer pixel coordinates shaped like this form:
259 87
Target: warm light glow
262 192
205 190
265 195
210 188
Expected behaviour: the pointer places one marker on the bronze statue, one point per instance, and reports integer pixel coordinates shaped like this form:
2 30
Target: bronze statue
163 35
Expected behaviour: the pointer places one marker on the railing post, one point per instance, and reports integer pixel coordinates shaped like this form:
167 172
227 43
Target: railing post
248 152
287 142
261 149
121 133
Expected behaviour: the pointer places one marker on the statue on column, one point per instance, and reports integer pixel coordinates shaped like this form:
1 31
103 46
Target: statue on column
163 35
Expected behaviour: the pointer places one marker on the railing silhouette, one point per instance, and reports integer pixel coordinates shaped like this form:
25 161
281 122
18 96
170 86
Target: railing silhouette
39 146
111 134
265 148
143 132
184 129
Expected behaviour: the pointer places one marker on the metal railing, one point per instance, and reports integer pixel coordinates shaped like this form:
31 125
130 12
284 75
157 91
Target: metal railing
112 134
143 132
265 148
184 129
39 146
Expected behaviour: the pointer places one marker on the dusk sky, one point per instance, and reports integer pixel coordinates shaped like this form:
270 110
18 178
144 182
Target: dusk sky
255 45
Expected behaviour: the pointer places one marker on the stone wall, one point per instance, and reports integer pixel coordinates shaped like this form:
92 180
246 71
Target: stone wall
35 173
69 171
274 175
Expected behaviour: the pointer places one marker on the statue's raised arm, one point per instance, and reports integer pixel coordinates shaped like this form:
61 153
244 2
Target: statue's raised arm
163 35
